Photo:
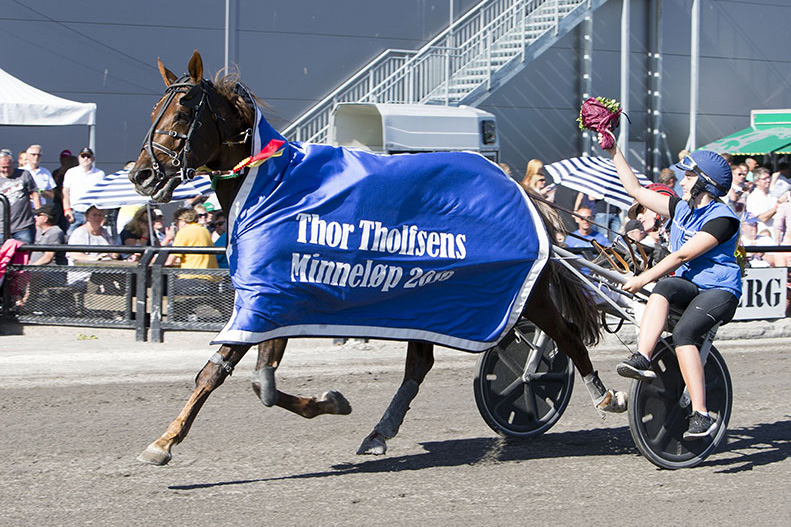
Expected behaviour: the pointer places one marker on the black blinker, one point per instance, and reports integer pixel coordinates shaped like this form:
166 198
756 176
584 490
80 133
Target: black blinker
190 99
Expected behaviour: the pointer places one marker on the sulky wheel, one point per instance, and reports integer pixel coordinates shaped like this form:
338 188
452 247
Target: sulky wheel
658 411
520 391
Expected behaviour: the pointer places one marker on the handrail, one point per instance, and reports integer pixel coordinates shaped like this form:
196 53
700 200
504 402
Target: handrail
332 95
122 249
459 45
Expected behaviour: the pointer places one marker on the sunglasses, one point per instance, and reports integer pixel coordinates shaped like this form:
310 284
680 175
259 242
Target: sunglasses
202 215
587 218
86 155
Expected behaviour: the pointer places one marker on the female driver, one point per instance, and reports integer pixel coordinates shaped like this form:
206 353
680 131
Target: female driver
706 278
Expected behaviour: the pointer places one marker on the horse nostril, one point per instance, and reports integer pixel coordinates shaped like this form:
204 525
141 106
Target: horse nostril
140 176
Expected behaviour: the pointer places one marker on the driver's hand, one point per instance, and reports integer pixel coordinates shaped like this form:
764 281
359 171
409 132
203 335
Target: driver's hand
633 284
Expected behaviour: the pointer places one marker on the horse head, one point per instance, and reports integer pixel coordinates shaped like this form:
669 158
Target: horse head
197 123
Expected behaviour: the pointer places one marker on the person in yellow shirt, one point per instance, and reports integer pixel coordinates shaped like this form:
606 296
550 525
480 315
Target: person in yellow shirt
191 234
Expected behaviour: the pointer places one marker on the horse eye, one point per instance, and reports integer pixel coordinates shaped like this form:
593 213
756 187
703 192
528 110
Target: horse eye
181 117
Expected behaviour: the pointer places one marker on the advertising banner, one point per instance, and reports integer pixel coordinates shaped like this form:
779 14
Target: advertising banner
763 294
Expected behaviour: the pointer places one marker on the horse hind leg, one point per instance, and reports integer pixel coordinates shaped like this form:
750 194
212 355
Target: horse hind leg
542 311
213 374
270 355
419 360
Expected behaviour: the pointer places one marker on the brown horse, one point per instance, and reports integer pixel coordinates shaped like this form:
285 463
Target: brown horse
200 123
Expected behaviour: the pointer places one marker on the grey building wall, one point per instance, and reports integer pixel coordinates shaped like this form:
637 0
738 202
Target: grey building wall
744 65
293 53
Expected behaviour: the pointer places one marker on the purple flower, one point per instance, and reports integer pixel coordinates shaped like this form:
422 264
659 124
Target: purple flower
600 115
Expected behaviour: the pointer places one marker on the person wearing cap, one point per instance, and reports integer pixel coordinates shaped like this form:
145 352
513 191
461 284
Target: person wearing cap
705 272
47 233
634 230
164 235
20 188
42 176
76 182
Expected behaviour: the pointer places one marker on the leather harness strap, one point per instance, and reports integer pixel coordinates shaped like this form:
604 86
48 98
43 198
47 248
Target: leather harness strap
190 99
222 363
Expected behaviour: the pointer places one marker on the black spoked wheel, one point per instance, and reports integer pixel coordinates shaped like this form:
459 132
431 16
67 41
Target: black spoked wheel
521 391
659 409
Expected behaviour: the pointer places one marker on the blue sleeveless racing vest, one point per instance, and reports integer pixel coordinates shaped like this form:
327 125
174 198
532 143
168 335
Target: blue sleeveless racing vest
717 268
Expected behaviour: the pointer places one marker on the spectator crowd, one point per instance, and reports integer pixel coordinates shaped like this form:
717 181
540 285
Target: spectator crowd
760 197
46 208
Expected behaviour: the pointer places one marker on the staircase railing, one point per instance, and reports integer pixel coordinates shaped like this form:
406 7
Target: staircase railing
448 67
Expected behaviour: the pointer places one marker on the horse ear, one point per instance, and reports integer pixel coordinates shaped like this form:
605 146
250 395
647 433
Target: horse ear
168 76
196 67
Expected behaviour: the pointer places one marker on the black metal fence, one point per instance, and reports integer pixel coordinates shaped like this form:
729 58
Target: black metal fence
142 295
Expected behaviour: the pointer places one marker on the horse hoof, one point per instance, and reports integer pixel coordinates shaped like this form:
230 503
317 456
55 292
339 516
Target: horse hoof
342 406
614 402
155 456
373 445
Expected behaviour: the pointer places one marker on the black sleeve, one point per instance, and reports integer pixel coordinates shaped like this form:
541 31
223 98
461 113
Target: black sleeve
721 228
672 205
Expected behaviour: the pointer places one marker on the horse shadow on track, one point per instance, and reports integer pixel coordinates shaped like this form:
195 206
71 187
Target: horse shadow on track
747 448
459 452
754 446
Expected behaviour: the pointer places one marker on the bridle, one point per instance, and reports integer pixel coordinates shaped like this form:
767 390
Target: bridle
196 97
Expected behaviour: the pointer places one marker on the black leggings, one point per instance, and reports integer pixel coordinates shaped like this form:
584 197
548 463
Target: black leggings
702 308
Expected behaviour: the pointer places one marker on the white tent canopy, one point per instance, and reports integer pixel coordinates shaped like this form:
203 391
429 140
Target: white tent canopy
24 105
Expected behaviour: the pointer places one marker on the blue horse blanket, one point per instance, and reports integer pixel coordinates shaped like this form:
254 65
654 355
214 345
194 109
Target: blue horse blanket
337 242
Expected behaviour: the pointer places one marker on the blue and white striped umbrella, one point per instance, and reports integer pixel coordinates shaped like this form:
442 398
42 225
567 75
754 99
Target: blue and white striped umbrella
115 190
595 176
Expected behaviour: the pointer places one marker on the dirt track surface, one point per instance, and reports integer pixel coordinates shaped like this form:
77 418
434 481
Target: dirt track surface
75 412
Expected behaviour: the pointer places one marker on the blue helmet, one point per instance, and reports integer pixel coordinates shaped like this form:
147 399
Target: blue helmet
712 168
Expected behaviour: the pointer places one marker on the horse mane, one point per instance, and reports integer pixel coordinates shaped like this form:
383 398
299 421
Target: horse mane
571 294
241 98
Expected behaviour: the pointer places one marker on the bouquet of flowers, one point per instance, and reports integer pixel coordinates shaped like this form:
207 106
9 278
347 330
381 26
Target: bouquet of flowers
600 115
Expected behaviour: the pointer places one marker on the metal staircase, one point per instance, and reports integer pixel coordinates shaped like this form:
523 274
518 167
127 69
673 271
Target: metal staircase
462 65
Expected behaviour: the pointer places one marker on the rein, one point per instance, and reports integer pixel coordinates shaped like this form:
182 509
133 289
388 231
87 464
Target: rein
609 253
179 159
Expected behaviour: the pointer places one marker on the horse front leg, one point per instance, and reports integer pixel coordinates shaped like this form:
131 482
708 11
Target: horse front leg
419 360
270 354
220 366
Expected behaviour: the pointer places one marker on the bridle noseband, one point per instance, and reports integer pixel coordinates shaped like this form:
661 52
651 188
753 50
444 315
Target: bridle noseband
178 159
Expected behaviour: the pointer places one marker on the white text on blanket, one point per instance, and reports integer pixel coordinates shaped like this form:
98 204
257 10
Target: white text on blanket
408 240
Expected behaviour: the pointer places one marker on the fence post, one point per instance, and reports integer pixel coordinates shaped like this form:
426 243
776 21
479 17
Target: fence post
156 296
5 217
141 294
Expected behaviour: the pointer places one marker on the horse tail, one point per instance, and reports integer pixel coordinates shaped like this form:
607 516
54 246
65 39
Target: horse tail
575 301
571 295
